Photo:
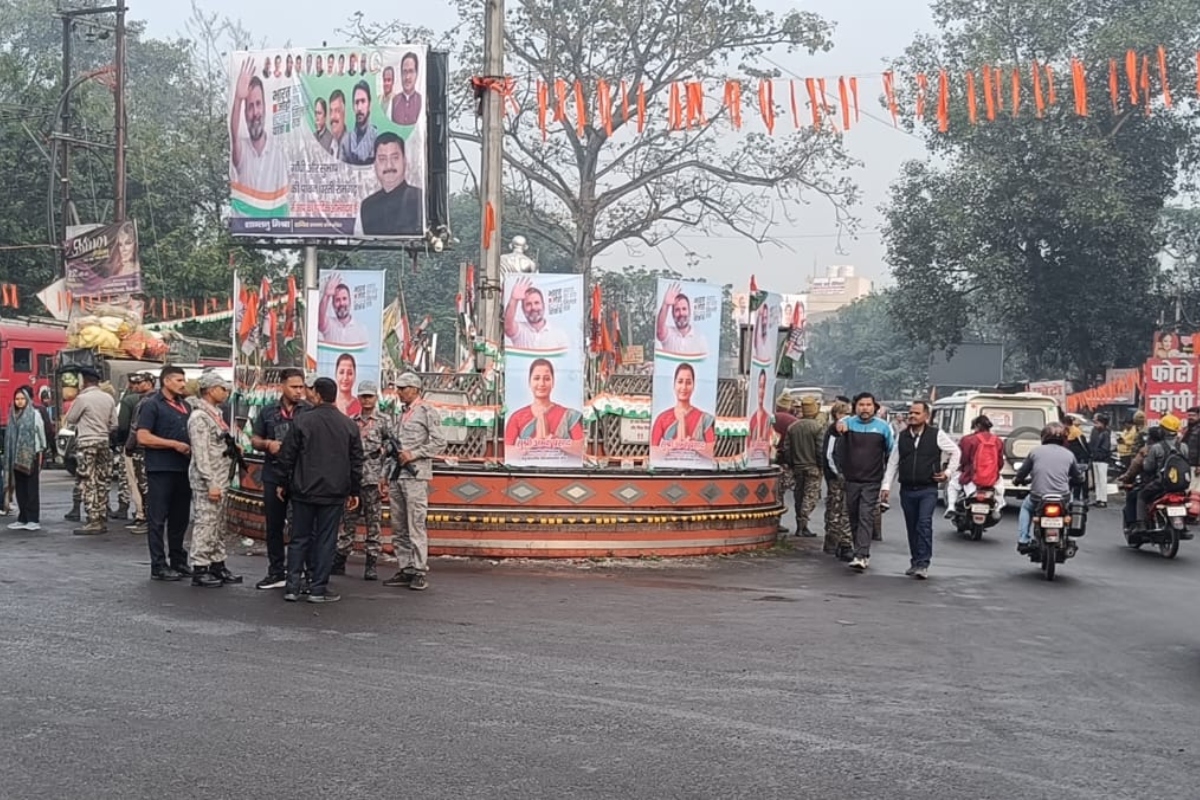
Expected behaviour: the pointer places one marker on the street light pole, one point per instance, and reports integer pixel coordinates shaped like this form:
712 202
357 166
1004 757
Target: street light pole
119 163
492 190
64 120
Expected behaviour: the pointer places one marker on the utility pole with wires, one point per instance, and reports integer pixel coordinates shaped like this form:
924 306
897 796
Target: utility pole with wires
491 197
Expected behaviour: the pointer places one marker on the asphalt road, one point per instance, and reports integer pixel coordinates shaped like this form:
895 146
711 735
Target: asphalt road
781 676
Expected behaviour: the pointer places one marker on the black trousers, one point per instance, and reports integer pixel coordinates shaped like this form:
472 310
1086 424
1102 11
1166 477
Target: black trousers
314 540
169 508
27 490
276 513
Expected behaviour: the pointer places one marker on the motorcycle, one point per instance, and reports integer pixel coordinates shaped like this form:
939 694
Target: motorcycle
1166 525
976 512
1056 524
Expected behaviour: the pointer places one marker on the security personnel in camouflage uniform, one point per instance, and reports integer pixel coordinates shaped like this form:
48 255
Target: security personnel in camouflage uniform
804 440
419 432
210 474
838 541
374 427
94 416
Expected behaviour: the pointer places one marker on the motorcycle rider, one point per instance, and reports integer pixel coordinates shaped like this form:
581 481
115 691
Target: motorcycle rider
981 441
1152 466
1049 469
1131 481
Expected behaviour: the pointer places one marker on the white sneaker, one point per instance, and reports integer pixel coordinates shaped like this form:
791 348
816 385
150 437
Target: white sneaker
32 526
860 563
16 526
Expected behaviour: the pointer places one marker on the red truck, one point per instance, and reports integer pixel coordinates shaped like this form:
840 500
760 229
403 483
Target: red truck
27 358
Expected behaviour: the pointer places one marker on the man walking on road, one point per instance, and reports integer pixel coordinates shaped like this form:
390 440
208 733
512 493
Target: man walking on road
321 464
917 462
1100 446
804 440
94 416
163 432
862 452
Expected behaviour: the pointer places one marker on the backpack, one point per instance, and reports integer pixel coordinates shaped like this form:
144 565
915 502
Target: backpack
1176 473
988 462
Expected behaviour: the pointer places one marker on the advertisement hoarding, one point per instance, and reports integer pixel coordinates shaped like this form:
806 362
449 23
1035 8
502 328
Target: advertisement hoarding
104 261
767 312
1172 385
328 142
349 315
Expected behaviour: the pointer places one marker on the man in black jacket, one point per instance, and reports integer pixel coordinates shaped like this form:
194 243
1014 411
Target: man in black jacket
1100 447
321 463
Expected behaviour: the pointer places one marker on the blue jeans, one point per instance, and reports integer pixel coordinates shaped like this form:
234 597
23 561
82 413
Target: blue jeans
918 505
1025 521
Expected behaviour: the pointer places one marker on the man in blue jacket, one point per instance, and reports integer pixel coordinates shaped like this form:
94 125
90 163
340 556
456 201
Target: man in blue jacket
862 453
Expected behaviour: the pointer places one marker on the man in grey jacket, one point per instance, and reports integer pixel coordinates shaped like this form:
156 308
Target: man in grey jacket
1049 469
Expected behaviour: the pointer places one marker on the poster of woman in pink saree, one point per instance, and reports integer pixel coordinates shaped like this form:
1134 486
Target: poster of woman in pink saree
684 433
544 433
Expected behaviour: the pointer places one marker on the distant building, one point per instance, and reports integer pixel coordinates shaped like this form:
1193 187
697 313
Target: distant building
837 289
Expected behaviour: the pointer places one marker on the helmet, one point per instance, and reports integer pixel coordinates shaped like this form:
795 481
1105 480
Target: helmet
1170 423
1054 433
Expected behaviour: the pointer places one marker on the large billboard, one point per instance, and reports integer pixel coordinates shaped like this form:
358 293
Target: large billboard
1172 386
328 142
349 324
686 355
104 262
543 370
766 313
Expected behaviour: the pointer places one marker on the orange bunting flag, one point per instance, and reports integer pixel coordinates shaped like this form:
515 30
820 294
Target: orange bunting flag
1162 76
1145 83
624 101
1052 91
1131 72
695 104
675 109
824 97
889 91
580 110
489 225
943 111
795 106
922 90
543 103
560 94
1016 92
811 86
989 100
1114 90
972 102
766 104
854 98
1039 100
604 100
1079 84
844 99
733 101
641 107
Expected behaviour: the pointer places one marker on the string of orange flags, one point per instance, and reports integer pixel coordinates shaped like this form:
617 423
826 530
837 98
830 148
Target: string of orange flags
1105 394
1137 80
9 297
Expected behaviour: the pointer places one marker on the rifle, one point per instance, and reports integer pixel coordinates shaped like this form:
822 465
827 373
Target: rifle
234 453
390 450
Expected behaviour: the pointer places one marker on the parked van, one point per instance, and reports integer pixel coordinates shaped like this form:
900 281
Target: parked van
27 354
1018 419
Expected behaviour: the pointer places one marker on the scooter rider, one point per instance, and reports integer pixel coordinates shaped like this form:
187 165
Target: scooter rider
1049 469
981 448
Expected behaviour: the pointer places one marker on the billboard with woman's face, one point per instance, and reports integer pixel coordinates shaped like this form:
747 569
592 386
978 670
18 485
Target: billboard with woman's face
543 370
349 312
765 317
104 262
686 356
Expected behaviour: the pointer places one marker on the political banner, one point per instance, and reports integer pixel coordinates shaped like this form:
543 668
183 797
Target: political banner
328 142
766 313
544 360
686 355
349 331
104 261
1057 390
1171 386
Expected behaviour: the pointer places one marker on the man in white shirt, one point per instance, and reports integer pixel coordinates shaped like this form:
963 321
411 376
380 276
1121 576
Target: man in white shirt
258 167
682 339
535 332
341 327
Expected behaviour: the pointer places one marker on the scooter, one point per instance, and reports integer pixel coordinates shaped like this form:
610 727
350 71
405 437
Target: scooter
974 513
1056 524
1166 525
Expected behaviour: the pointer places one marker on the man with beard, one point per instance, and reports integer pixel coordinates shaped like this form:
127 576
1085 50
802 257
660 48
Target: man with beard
259 169
535 332
337 123
359 146
396 209
406 107
683 339
341 328
324 137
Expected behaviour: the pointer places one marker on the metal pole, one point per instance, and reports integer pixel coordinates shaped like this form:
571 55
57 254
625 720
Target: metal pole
492 168
310 267
119 192
65 128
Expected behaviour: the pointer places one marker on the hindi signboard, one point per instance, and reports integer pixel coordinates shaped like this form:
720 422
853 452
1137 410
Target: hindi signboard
1172 385
328 142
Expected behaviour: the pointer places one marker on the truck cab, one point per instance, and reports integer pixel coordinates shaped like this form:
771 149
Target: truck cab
27 358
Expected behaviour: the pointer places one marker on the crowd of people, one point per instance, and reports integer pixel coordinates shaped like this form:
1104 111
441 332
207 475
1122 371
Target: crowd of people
322 471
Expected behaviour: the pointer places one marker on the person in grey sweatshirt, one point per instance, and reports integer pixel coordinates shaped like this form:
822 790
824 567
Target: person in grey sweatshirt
1049 469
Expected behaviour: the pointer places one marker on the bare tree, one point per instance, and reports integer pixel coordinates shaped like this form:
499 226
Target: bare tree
598 189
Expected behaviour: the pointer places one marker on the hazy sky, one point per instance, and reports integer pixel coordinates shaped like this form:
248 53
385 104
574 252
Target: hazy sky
868 31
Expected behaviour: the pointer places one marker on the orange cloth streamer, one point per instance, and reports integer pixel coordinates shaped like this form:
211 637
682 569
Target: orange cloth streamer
972 102
1162 76
889 91
580 110
543 94
733 101
844 99
604 100
766 104
989 100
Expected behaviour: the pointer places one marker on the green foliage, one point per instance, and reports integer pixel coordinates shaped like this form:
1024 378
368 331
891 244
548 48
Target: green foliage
1046 228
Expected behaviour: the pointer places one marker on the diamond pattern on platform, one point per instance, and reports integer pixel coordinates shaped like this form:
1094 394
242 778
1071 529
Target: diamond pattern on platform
711 492
523 492
468 491
740 493
762 492
576 493
629 494
674 493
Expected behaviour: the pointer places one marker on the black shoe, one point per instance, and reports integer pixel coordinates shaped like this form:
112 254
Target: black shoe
418 583
401 578
339 565
272 582
1025 548
122 512
167 574
203 576
324 598
73 514
806 533
92 529
291 594
845 554
182 569
369 572
221 571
